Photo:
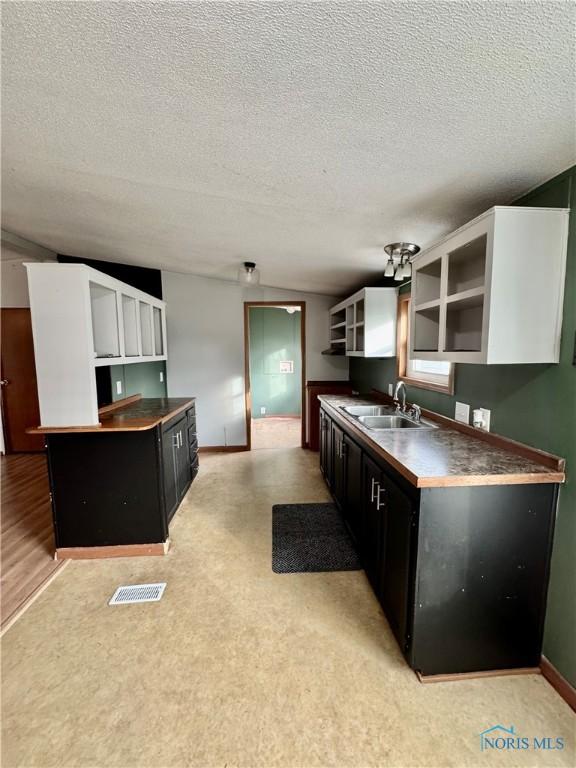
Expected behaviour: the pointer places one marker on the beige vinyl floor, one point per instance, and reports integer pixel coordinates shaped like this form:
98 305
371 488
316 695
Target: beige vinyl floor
238 666
276 432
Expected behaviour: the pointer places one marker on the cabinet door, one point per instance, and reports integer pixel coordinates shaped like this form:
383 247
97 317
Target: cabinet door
353 488
326 457
338 476
182 458
396 560
170 469
374 525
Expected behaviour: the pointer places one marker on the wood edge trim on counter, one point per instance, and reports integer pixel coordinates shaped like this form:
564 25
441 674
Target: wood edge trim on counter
222 448
23 607
119 404
57 430
526 451
119 550
534 478
454 676
558 682
175 412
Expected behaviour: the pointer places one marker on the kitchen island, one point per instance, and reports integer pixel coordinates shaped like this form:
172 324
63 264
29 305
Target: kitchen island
115 486
454 528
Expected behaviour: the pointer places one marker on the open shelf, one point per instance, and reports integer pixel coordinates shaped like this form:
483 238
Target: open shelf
359 311
464 324
104 321
426 329
130 316
467 266
341 324
146 328
428 282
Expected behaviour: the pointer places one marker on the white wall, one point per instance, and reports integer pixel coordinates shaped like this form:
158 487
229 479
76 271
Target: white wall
206 348
15 252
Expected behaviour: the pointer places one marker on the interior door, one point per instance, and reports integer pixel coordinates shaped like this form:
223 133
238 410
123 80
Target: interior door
20 408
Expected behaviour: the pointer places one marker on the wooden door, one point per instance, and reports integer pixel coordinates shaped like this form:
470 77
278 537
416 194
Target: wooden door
20 408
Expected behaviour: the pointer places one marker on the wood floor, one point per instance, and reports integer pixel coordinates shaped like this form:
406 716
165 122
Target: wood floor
27 535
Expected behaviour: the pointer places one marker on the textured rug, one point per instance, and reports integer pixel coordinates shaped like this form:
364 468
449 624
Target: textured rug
311 538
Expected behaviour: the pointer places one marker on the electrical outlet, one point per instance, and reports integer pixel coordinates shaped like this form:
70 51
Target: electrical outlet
391 390
161 377
118 387
462 412
262 411
486 419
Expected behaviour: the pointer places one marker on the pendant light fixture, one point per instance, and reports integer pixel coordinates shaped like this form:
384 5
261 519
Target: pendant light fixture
248 274
399 265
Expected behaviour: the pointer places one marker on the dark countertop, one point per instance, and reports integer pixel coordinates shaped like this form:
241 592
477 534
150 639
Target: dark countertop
445 456
137 415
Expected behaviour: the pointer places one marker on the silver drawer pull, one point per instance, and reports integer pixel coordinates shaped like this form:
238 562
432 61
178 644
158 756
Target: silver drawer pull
372 491
380 503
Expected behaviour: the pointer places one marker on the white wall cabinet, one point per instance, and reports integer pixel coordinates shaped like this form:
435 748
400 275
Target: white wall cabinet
364 325
492 292
82 319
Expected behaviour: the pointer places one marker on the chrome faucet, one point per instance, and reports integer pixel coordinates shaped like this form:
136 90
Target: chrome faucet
400 388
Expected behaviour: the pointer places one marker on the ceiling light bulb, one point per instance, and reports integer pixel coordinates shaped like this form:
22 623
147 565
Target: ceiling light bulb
407 270
248 274
399 274
389 271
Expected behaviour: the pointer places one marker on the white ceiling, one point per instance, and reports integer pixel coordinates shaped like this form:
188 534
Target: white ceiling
301 135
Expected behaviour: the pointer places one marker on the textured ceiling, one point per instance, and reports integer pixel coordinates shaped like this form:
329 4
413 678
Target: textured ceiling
301 135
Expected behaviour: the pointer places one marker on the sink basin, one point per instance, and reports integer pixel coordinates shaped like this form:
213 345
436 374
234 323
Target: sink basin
393 422
367 410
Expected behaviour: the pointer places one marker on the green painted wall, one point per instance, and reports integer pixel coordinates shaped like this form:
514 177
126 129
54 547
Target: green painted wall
139 378
274 337
535 404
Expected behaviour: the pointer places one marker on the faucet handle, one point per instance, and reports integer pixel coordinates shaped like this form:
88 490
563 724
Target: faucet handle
415 412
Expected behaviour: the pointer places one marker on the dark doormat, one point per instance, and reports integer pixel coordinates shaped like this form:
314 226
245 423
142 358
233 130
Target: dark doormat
311 538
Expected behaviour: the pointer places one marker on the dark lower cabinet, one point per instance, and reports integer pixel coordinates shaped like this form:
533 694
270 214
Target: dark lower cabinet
461 572
120 487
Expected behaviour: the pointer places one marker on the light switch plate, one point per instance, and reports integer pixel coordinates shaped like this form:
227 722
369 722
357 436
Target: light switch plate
462 412
118 387
391 390
262 411
161 376
486 419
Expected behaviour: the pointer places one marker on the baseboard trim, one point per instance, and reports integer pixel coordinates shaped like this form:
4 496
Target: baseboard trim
222 448
120 550
565 689
452 677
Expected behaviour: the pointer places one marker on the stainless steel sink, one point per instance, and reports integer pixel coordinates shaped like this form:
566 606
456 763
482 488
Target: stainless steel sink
393 422
367 410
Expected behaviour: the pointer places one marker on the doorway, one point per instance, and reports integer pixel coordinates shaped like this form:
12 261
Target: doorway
20 408
275 372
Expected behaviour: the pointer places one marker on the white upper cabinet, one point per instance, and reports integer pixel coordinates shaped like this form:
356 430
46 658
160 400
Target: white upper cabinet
82 319
492 292
364 325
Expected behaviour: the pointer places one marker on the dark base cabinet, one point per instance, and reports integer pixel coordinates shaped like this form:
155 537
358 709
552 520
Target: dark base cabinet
460 572
114 488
